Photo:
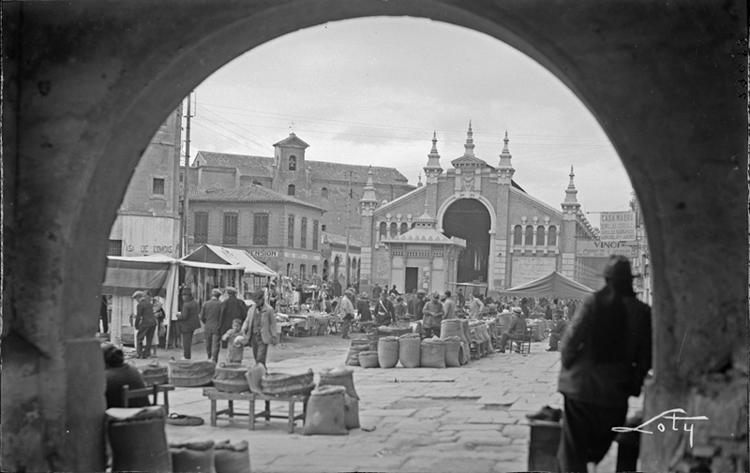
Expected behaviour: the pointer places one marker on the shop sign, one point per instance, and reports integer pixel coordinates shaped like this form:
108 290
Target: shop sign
604 249
617 226
263 254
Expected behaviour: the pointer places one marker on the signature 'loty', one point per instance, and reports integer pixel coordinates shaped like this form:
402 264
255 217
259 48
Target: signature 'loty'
660 426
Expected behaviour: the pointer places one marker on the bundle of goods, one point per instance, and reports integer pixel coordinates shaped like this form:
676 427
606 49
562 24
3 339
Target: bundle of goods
305 324
231 378
138 439
154 373
339 377
193 456
254 376
326 412
188 373
388 352
409 350
281 384
231 458
368 359
452 351
357 347
322 320
432 353
393 330
457 328
465 340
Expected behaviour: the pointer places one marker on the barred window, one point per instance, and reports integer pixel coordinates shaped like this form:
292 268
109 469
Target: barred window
230 229
290 232
315 236
552 238
303 233
115 248
200 230
158 186
260 229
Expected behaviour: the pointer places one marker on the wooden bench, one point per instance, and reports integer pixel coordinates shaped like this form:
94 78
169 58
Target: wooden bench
215 395
128 394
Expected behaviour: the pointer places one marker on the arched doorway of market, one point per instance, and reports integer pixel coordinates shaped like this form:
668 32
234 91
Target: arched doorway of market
84 109
470 220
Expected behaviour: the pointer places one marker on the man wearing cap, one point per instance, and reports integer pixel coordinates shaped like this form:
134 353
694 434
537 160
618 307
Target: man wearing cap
432 316
189 321
557 332
449 307
606 355
260 326
384 311
475 307
211 318
145 324
516 331
231 309
346 312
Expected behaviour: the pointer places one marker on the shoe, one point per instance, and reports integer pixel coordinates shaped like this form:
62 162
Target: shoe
546 413
180 419
551 349
347 338
501 351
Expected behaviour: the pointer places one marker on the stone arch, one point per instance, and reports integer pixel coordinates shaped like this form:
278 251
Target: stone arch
83 111
484 200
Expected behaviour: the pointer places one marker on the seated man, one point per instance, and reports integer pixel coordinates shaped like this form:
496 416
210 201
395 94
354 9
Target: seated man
118 374
516 331
557 332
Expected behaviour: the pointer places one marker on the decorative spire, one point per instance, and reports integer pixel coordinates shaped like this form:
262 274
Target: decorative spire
424 220
433 168
419 183
570 193
505 146
505 168
369 199
469 146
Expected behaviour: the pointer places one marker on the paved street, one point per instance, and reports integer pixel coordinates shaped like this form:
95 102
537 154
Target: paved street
463 419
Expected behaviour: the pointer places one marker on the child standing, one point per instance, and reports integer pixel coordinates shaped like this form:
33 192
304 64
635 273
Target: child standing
236 343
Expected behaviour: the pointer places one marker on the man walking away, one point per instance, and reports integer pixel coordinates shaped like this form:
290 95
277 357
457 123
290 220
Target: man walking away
346 312
211 318
189 322
606 354
145 325
516 331
231 309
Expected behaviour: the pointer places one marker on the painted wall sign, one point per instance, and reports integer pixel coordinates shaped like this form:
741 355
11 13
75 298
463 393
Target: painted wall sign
264 254
617 226
528 268
592 248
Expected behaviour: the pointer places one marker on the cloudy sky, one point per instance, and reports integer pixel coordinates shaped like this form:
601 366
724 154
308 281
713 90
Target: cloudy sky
372 91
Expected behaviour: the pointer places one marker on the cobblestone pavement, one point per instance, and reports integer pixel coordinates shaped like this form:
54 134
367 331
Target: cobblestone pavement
463 419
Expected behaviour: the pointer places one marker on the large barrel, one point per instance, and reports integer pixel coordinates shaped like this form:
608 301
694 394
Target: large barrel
230 377
189 373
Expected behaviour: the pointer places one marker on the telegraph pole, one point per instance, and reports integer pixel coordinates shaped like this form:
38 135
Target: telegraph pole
348 219
186 184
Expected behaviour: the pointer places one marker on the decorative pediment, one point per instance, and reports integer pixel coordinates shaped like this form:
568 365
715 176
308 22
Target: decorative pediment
292 142
469 162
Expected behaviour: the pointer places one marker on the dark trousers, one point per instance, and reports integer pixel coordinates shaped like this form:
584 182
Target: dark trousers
260 349
213 345
430 331
509 336
345 327
187 344
554 339
175 334
144 335
587 433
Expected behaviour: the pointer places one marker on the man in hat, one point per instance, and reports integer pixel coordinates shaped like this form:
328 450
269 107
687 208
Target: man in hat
449 306
475 307
145 324
432 316
557 332
260 326
346 312
516 330
211 318
231 309
606 355
189 322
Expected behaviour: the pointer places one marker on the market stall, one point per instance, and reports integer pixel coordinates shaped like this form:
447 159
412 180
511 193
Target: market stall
551 286
256 275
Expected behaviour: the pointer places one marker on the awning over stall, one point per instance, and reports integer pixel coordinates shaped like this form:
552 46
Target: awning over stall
551 285
219 255
125 275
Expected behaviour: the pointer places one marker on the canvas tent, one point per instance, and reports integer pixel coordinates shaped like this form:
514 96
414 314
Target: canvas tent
551 285
255 272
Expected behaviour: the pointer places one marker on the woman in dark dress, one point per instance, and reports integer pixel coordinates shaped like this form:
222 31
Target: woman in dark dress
118 374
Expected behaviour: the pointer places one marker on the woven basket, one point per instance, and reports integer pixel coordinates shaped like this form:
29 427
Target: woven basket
154 374
388 352
369 359
188 373
231 378
280 384
409 347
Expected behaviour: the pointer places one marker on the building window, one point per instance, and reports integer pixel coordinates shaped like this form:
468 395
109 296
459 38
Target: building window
517 235
324 192
540 236
290 190
315 236
289 269
529 236
200 230
314 269
383 230
158 187
302 272
115 248
292 163
394 230
258 183
552 238
404 228
260 229
303 233
290 232
230 229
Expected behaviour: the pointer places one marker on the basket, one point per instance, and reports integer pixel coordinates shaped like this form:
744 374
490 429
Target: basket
154 373
231 378
280 384
188 373
369 359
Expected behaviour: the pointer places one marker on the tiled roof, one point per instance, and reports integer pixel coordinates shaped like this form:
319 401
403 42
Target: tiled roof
425 235
249 193
258 166
334 239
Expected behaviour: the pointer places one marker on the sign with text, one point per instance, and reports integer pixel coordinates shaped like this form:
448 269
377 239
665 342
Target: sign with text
617 226
264 254
595 248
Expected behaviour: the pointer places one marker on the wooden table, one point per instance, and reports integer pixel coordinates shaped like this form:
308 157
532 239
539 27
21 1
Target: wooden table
215 395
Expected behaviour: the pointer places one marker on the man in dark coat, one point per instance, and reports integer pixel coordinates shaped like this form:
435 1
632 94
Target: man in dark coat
558 331
118 374
189 322
606 355
211 318
145 324
516 330
384 311
232 308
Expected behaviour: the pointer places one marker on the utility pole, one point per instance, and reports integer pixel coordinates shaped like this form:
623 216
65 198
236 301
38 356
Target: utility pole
348 220
186 183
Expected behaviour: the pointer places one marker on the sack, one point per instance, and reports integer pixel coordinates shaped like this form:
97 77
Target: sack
450 328
409 350
433 354
388 352
326 412
153 373
230 377
368 359
193 456
452 352
351 412
339 377
230 458
188 373
138 439
280 384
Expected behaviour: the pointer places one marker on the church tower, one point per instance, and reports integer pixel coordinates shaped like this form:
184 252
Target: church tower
367 205
289 170
432 171
571 209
